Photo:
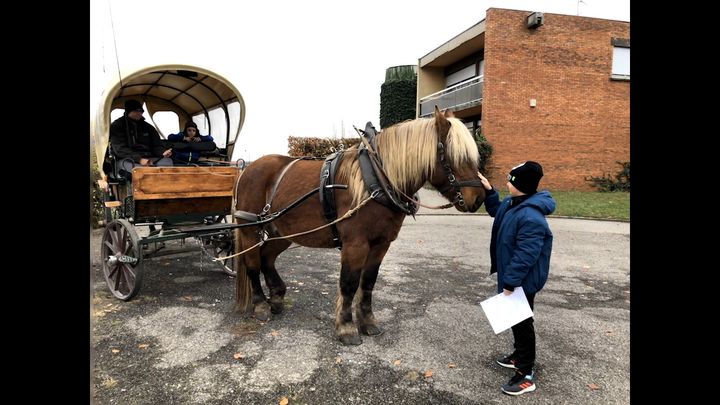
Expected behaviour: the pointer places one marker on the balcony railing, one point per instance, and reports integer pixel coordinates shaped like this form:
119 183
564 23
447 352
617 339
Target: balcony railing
460 96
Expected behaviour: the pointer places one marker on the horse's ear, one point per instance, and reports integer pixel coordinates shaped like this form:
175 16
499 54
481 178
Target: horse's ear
442 124
439 116
449 113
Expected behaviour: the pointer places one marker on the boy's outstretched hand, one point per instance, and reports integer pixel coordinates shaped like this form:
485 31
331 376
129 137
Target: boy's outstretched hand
484 181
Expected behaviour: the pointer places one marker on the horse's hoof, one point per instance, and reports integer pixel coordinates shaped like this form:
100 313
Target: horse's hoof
261 313
370 330
350 340
276 307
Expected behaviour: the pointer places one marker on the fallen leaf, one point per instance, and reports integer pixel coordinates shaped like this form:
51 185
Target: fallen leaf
238 356
428 373
187 298
338 360
143 346
115 350
274 333
593 386
608 332
284 401
452 365
109 382
396 362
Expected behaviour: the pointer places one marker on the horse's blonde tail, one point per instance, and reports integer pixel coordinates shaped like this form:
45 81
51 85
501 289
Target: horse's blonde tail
243 291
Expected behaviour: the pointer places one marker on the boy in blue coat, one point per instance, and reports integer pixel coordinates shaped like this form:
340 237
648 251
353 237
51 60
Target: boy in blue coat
189 134
520 248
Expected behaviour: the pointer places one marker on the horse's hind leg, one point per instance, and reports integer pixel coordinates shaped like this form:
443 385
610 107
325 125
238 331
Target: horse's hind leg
353 258
253 261
274 282
366 323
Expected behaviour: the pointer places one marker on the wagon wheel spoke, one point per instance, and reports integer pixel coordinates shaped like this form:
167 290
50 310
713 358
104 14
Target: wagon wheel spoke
117 279
114 270
113 248
113 236
129 270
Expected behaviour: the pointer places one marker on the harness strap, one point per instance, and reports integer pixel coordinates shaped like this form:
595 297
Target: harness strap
257 218
327 195
378 185
267 207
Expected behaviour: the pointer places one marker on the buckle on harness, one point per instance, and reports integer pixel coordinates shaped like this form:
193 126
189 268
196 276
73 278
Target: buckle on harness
265 209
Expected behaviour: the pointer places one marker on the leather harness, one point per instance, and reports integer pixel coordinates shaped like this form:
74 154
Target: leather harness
373 175
327 195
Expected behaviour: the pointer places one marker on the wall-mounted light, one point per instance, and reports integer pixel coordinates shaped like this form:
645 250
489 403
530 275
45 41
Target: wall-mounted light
535 20
533 103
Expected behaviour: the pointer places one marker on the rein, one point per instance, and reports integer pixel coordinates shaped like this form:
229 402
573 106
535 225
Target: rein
347 215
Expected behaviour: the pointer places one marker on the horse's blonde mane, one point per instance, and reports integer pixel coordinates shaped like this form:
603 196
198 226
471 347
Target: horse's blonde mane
408 151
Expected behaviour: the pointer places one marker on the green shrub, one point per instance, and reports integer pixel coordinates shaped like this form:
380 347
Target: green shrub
619 182
96 194
485 149
398 95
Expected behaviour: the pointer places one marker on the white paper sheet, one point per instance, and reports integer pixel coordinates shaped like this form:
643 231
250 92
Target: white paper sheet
504 311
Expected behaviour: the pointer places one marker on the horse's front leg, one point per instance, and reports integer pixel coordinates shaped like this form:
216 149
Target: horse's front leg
366 322
352 259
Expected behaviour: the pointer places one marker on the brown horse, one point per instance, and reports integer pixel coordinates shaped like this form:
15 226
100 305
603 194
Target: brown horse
438 150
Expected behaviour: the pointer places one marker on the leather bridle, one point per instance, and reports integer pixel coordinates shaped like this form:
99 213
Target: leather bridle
454 184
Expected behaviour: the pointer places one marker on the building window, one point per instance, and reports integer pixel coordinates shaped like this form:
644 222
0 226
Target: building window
465 69
621 59
461 75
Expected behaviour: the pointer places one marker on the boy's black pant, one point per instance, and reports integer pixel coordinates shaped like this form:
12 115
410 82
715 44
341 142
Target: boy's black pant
524 335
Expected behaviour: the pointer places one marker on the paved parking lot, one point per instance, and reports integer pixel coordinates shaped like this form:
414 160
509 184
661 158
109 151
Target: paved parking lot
179 340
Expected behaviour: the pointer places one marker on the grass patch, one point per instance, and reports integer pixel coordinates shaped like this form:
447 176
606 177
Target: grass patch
614 205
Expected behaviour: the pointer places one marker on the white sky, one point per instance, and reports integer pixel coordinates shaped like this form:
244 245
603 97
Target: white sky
304 68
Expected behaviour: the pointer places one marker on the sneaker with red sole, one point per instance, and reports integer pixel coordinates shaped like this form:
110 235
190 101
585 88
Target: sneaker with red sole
519 384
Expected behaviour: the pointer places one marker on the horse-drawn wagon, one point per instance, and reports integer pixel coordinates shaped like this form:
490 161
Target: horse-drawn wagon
173 203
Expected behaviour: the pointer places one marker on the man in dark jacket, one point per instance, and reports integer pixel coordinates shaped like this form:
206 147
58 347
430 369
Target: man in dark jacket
135 142
520 248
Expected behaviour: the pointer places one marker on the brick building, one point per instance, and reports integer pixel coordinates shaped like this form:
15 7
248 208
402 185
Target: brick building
547 87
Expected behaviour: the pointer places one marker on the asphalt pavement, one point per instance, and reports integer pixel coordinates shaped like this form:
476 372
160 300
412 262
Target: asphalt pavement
180 341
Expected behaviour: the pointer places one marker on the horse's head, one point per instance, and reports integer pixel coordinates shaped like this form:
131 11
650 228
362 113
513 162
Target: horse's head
455 174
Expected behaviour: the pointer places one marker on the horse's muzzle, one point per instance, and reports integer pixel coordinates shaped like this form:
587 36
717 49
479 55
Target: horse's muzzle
476 206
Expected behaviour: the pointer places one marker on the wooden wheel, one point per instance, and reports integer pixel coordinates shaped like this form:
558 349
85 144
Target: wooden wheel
121 256
220 246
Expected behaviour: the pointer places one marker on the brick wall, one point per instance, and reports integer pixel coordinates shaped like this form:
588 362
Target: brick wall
581 124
